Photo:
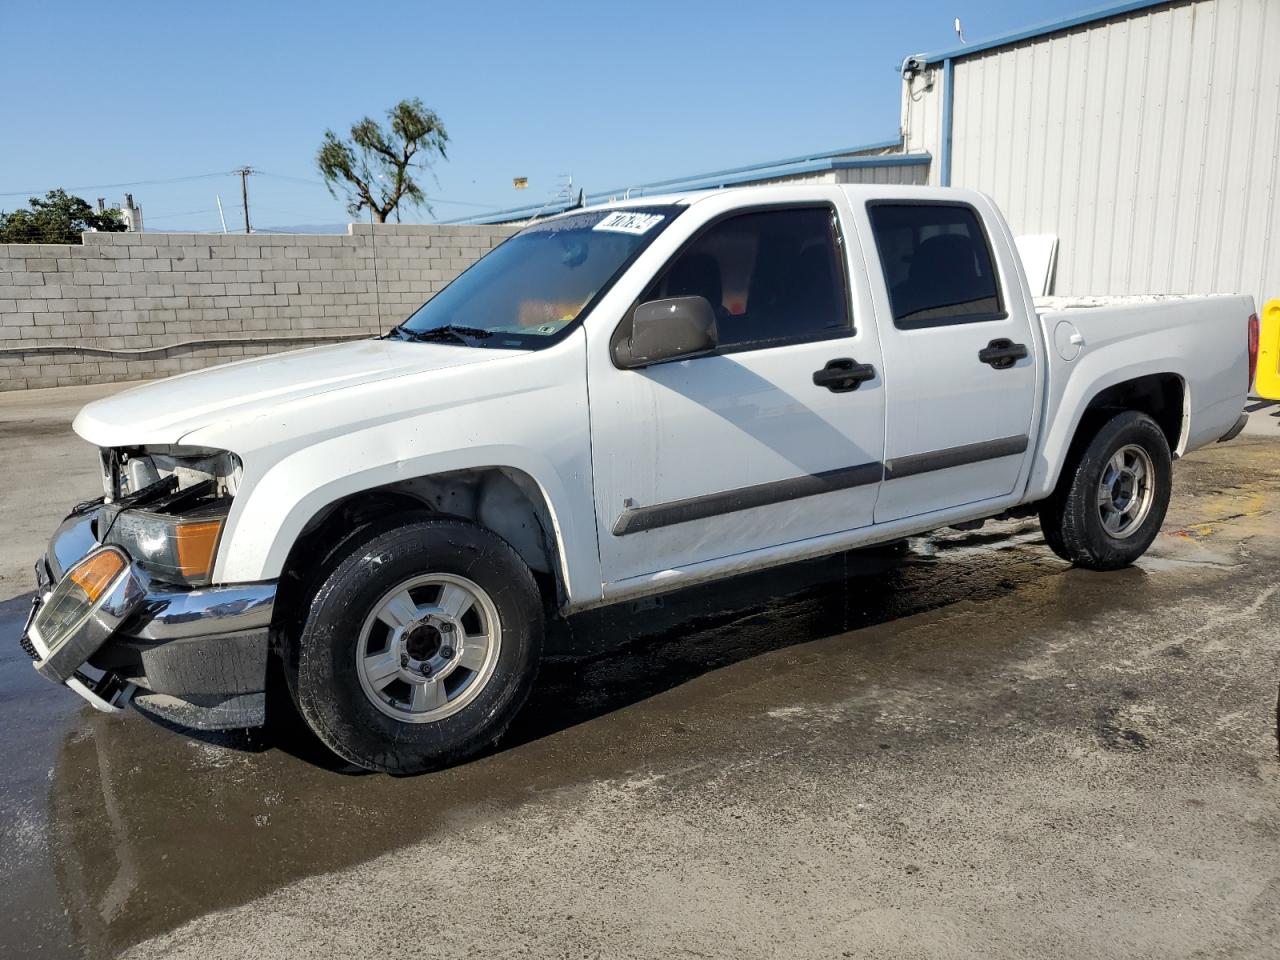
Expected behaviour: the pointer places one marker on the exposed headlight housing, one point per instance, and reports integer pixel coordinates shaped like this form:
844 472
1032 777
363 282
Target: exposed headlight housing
128 471
166 508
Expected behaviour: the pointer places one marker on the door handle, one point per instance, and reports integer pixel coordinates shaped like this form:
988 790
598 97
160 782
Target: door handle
843 375
1002 354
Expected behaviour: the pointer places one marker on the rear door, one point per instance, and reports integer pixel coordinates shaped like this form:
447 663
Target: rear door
959 354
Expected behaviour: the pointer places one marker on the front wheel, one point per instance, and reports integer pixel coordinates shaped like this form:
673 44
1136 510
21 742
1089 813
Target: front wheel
1112 498
419 647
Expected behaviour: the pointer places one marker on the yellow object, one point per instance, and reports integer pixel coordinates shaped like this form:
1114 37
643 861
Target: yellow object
197 543
1268 380
94 574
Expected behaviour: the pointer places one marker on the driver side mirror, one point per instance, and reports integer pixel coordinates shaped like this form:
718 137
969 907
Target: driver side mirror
672 329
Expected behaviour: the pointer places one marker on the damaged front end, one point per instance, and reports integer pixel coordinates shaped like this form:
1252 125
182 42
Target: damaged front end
126 605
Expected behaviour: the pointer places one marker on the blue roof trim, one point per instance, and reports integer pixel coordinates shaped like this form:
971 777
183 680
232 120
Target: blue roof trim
835 160
1054 26
768 164
794 169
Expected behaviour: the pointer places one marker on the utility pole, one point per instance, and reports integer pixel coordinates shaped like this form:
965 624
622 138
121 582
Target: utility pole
244 194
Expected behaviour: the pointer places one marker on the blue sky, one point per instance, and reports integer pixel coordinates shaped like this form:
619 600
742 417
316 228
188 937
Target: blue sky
612 93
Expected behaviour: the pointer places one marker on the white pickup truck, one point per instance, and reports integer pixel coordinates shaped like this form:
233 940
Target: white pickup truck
616 402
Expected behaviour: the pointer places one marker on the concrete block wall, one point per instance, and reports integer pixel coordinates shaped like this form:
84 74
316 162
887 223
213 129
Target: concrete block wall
129 306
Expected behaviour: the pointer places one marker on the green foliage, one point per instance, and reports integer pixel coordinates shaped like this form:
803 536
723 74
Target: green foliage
110 220
58 218
373 167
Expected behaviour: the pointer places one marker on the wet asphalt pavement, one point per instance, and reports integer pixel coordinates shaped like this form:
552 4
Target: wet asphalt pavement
962 748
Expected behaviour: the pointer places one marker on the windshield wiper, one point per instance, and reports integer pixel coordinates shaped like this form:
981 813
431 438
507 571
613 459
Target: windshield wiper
450 331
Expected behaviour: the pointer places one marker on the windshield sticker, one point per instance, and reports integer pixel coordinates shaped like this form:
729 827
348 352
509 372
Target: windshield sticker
636 223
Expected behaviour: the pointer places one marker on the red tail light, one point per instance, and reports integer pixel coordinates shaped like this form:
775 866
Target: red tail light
1253 349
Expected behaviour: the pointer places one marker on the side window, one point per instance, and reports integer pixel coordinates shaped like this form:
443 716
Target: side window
937 264
774 276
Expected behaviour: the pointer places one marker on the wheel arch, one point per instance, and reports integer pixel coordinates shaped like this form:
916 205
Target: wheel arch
504 500
1162 396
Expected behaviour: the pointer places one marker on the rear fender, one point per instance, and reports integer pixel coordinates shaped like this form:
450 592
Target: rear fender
1073 389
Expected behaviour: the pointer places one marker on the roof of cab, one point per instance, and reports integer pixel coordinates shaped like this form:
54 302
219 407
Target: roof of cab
856 191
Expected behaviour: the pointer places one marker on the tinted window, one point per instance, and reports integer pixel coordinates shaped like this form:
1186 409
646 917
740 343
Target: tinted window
772 277
937 264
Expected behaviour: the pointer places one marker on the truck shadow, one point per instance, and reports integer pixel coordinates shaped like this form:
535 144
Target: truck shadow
602 661
147 827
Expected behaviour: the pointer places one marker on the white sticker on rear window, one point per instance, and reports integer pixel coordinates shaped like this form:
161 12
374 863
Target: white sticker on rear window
623 222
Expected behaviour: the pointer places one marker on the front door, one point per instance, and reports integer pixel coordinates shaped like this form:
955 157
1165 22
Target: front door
716 456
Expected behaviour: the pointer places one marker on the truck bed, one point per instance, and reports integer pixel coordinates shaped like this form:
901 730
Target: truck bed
1095 342
1116 300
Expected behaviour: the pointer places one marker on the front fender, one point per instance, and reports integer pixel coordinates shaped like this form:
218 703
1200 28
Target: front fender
528 414
265 523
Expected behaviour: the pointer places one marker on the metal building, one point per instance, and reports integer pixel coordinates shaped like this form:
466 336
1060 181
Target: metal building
884 162
1145 135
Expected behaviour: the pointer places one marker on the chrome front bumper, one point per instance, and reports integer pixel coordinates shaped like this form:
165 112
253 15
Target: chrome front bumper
175 632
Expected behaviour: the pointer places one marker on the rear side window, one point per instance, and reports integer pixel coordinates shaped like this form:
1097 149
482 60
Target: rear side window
937 264
771 276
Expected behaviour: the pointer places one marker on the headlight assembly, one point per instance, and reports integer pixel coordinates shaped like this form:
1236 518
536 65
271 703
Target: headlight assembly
166 508
76 597
176 549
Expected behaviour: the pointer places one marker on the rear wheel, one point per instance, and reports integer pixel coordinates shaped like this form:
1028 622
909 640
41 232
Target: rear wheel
419 647
1112 497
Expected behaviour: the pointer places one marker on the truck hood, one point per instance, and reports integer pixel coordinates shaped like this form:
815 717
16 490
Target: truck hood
167 410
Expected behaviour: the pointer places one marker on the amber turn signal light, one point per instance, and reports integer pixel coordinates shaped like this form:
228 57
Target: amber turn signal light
196 543
96 572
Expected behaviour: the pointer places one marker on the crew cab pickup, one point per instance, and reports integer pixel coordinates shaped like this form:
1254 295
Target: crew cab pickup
616 402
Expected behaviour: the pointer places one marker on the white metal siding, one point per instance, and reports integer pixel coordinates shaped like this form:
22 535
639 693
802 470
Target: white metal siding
826 176
922 118
909 174
1149 143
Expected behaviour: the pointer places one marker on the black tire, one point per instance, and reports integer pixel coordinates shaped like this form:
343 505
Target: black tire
1071 520
320 658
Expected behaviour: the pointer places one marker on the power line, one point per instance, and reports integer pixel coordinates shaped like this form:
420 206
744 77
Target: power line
430 199
184 213
112 186
224 173
243 173
281 176
463 203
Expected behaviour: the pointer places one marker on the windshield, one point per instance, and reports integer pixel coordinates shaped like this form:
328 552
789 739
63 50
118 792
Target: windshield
535 286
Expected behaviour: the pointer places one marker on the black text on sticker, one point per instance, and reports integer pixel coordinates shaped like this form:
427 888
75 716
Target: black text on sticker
629 222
